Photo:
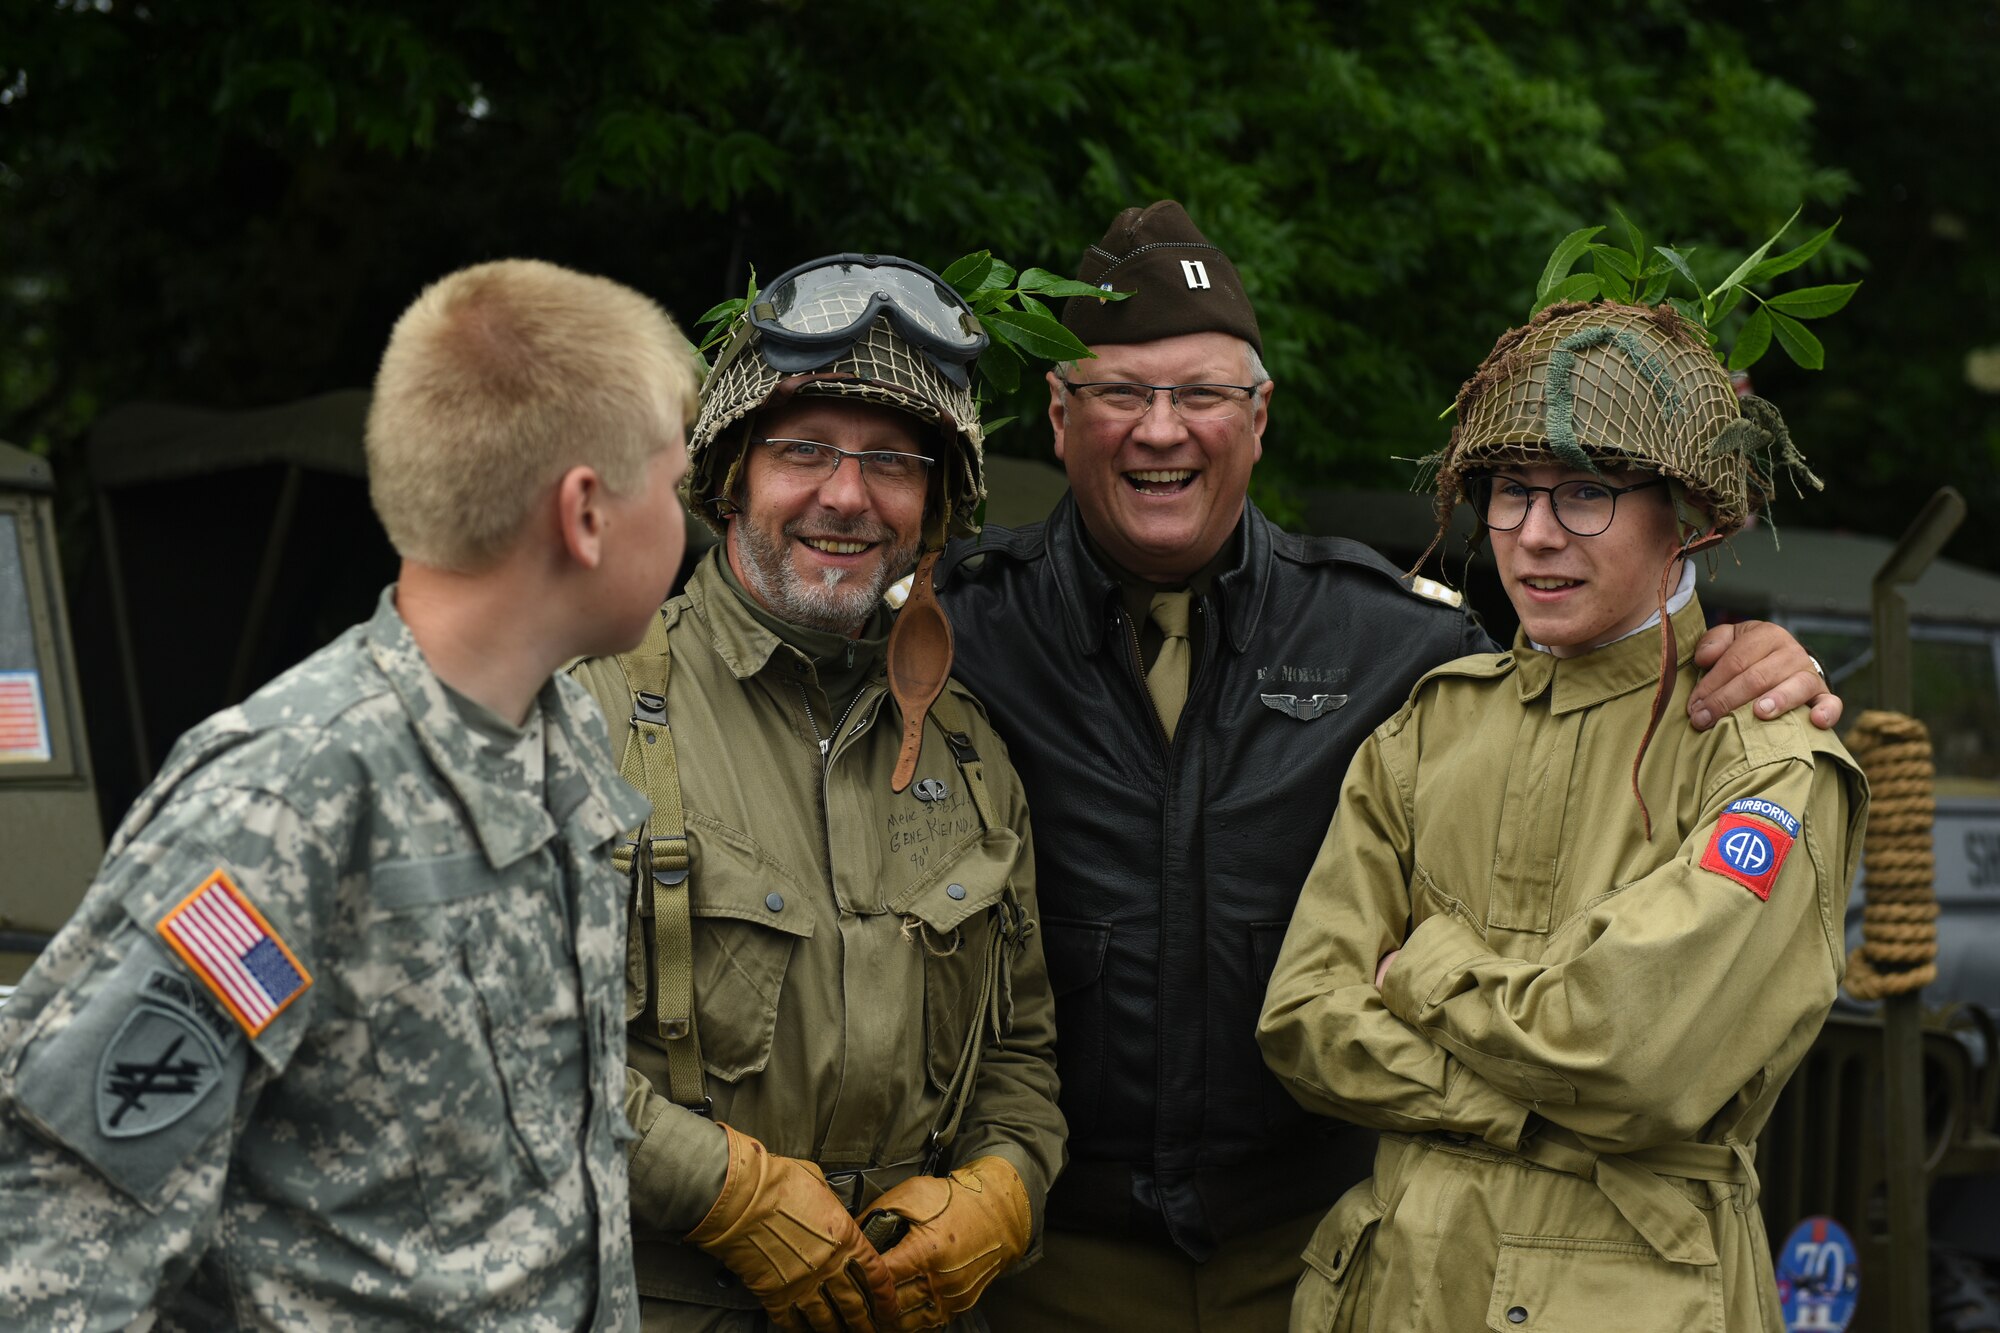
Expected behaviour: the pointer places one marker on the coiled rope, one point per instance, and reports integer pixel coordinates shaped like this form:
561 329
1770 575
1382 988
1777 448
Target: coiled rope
1898 951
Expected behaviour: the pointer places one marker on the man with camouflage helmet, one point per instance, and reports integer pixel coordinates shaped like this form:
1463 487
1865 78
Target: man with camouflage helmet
1568 962
332 1043
1183 685
840 1028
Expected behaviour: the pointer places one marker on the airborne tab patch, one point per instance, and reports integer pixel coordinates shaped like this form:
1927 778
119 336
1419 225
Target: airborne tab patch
1763 809
1750 850
235 952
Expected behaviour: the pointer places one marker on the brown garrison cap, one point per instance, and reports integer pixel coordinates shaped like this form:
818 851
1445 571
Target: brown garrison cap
1179 283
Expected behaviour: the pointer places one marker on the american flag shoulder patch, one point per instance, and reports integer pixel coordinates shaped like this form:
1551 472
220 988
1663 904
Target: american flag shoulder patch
236 953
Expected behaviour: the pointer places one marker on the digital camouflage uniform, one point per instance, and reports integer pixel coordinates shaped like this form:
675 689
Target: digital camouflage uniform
429 1131
839 931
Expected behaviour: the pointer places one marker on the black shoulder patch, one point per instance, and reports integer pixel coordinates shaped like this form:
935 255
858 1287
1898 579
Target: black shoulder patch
158 1067
139 1076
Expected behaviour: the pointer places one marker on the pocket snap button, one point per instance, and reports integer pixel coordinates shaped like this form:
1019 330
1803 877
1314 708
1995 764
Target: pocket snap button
775 901
1517 1315
954 891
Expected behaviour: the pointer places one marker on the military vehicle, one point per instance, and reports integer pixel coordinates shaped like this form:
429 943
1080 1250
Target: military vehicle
50 838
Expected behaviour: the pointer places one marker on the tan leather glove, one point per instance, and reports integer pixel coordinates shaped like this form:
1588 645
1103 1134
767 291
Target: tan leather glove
779 1228
965 1229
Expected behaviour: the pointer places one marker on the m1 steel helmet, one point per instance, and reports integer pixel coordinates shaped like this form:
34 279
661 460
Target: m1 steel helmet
870 327
1625 386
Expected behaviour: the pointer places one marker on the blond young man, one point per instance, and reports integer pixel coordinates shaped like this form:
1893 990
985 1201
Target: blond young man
332 1043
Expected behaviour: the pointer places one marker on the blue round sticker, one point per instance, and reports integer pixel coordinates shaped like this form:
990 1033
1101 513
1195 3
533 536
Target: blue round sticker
1747 850
1819 1277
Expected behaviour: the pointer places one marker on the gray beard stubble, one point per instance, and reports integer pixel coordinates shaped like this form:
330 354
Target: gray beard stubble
835 605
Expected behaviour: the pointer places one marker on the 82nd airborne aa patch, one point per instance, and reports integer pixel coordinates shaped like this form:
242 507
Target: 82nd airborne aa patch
1750 844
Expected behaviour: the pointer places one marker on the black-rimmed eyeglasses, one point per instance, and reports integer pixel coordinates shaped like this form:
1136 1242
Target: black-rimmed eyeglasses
1584 508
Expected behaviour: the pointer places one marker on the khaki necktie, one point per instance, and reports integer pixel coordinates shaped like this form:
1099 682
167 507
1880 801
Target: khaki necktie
1167 682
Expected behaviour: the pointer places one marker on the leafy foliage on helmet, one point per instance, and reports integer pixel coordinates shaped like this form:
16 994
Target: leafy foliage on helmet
1637 381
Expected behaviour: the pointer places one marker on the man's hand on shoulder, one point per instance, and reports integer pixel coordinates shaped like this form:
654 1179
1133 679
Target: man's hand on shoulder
1755 659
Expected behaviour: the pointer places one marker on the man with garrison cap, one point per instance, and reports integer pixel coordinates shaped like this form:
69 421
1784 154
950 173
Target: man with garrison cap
1183 715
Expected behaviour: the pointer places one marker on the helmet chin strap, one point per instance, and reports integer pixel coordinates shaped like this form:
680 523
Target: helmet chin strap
920 652
1669 662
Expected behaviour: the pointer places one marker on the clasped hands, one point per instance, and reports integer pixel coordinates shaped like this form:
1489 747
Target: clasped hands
779 1228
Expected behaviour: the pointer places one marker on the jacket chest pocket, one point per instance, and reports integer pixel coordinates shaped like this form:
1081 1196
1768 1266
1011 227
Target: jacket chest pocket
746 916
481 1049
967 922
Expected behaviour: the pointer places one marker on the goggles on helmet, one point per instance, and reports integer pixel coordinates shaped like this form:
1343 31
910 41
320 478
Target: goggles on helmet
814 312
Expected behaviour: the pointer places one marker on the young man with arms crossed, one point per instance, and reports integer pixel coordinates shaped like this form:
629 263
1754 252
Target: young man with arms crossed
1564 955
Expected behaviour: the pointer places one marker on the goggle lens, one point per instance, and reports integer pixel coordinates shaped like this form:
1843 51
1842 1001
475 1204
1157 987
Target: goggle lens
837 298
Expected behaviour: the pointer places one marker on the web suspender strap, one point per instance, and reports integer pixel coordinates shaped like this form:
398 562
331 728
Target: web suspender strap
658 861
947 712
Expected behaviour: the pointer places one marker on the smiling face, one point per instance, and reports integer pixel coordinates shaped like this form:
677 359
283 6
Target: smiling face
1575 593
819 552
1159 494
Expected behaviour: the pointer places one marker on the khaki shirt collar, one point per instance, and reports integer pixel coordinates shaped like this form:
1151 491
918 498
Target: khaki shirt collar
1603 673
745 646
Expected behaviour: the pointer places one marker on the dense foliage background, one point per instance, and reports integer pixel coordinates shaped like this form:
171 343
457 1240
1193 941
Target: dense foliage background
226 204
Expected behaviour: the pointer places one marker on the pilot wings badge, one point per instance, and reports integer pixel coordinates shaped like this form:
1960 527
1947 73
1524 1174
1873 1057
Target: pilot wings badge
1305 710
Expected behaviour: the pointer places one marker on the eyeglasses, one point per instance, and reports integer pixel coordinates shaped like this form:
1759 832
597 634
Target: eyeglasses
1584 508
1193 402
811 460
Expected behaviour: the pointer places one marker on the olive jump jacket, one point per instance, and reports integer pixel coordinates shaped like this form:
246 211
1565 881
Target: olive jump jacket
1168 871
1585 1030
839 932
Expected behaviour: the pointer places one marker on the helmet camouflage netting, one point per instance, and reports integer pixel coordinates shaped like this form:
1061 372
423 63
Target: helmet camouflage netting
1623 385
878 368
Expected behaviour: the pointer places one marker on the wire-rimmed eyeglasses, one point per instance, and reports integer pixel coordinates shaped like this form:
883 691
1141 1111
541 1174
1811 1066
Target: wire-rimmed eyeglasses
810 459
1584 508
1194 402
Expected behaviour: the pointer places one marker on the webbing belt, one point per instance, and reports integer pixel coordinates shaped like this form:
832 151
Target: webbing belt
1634 1184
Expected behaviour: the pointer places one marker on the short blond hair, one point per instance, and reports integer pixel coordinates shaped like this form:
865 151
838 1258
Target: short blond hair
497 380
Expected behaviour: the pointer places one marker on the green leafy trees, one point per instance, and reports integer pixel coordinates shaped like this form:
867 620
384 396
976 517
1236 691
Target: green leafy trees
227 204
